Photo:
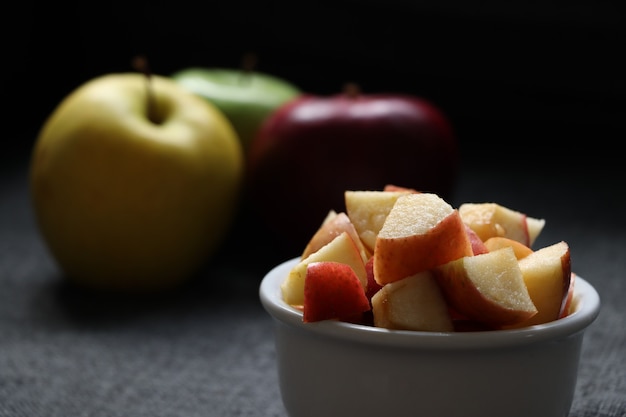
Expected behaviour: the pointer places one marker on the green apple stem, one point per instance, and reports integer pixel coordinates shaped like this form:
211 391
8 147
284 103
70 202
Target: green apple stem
248 64
140 63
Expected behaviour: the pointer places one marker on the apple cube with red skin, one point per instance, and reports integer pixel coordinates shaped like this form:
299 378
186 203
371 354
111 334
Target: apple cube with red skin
341 249
568 305
333 225
368 210
547 273
412 303
333 291
372 286
420 232
478 246
488 288
492 219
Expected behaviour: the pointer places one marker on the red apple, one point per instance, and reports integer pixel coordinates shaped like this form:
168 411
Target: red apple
313 148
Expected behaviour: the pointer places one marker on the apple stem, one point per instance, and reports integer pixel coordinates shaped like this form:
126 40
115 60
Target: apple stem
140 63
248 64
352 90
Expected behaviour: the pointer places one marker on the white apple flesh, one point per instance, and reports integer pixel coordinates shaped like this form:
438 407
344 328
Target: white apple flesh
413 303
489 287
341 249
421 232
492 219
547 273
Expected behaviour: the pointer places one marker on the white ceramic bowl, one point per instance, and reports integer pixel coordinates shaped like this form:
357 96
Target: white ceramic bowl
336 369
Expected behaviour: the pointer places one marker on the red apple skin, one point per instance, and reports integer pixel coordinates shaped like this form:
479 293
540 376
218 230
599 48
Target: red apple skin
478 246
569 297
372 286
313 148
333 291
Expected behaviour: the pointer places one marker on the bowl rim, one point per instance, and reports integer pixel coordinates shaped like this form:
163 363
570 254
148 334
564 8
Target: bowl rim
585 295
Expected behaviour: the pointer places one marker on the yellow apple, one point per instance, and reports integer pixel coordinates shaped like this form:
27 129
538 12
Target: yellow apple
134 182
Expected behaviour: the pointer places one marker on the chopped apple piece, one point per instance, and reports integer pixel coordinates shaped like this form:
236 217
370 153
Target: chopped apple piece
368 210
488 288
420 232
547 273
519 249
341 249
478 246
372 285
332 290
568 305
333 225
492 219
535 226
412 303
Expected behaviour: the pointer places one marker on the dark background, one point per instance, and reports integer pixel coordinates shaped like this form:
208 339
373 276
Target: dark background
528 85
534 89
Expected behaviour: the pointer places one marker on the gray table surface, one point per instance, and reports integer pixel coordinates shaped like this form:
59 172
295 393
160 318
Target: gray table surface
207 350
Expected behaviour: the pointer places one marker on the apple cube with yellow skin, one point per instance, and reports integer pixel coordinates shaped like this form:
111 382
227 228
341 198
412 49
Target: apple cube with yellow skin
547 273
492 219
341 249
333 225
368 210
412 303
488 288
333 291
421 232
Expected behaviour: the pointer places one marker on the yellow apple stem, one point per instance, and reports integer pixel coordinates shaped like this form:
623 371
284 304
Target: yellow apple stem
140 63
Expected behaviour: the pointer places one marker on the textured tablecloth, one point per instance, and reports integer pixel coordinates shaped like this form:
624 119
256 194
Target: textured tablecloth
207 350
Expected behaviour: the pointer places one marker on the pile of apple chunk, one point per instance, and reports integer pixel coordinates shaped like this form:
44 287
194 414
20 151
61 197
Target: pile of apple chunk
406 260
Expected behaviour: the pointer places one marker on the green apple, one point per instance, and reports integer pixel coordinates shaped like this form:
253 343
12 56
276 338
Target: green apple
247 98
134 182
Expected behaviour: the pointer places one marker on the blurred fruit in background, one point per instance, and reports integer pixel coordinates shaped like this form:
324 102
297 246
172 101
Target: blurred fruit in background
313 148
245 96
135 182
